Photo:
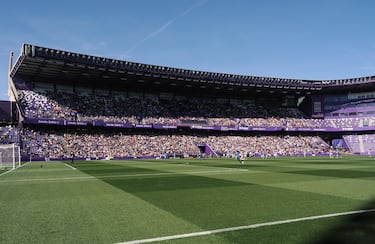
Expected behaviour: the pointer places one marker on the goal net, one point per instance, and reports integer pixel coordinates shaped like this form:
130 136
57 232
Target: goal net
10 157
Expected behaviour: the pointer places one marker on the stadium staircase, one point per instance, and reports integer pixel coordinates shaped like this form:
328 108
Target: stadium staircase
207 150
211 151
360 144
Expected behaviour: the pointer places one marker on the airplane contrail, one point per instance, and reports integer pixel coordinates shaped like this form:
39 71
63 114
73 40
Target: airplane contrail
166 25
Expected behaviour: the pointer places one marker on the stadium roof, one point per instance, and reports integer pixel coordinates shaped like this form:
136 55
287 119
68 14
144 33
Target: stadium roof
41 64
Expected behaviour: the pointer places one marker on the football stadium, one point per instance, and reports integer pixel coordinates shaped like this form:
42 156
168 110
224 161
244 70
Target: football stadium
100 150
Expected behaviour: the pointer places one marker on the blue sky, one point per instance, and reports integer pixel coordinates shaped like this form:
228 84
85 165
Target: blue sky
320 39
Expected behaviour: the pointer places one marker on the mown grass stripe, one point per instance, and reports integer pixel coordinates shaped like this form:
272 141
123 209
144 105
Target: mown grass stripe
253 226
127 175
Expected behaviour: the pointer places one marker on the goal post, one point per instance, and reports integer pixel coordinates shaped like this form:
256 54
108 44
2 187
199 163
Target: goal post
10 156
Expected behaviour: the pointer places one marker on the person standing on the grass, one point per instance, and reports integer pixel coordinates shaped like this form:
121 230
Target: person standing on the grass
337 153
242 158
237 155
72 156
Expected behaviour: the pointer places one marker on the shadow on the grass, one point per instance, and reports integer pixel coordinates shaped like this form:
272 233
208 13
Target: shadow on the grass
347 173
357 228
203 200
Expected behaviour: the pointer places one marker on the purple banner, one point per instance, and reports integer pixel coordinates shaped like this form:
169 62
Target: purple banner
78 123
100 123
244 128
161 126
315 129
117 125
44 121
265 128
333 129
54 122
148 126
205 127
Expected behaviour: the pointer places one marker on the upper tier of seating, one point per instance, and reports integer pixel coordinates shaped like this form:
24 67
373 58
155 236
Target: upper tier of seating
152 110
146 110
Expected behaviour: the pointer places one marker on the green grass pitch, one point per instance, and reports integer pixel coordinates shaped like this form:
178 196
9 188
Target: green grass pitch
120 201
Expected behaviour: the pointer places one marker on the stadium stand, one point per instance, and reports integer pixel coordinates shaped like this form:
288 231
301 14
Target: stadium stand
360 144
105 108
9 134
62 105
101 144
151 110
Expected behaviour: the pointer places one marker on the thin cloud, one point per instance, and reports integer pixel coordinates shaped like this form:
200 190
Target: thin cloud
196 5
162 28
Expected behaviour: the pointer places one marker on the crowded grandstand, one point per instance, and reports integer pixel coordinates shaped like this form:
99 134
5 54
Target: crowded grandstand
99 108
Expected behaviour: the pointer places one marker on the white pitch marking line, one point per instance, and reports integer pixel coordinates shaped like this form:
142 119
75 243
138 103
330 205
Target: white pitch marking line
253 226
6 172
126 175
69 166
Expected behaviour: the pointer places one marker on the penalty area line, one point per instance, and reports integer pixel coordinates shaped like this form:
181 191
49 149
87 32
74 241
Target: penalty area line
6 172
69 166
253 226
